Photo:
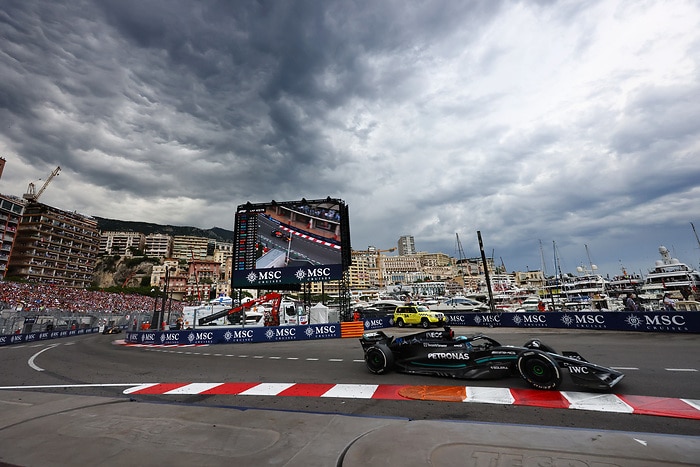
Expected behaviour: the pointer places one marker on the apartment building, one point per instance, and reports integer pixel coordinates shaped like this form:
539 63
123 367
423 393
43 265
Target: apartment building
188 247
11 209
53 246
363 272
223 251
158 245
121 243
407 245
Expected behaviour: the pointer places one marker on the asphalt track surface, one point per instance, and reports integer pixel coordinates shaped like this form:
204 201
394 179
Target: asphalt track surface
655 406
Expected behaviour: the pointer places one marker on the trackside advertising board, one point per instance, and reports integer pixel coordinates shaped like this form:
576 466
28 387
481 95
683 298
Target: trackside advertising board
648 321
237 335
41 336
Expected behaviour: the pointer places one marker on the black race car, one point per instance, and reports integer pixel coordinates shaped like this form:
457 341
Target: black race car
441 353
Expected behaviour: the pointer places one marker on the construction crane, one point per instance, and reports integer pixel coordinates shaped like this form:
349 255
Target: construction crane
271 320
32 195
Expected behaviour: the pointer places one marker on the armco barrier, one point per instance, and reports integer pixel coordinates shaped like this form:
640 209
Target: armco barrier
647 321
41 336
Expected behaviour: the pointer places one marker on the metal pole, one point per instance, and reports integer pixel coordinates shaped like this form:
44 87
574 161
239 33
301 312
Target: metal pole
492 305
161 316
154 319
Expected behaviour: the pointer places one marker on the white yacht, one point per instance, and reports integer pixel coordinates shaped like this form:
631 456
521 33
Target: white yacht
625 283
669 275
586 285
459 303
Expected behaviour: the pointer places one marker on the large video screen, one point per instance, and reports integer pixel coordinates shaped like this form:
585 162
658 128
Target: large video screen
280 244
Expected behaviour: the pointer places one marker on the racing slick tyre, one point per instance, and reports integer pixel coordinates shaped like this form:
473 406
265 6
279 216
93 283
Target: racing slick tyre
400 323
379 359
539 370
425 323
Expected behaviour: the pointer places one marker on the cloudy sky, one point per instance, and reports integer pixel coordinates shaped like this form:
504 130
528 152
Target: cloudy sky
538 123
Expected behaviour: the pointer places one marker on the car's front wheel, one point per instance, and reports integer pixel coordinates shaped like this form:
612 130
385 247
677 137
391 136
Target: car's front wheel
425 323
539 370
379 359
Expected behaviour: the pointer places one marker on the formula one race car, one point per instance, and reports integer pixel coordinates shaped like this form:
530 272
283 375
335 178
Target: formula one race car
441 353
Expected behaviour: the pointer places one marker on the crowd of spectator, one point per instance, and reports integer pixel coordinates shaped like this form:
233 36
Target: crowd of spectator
40 297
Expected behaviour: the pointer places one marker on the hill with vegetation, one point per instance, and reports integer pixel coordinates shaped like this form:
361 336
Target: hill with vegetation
215 233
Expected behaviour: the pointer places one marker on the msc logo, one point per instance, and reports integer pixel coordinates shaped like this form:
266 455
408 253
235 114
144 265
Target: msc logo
248 334
269 275
534 318
313 273
149 337
170 337
487 319
281 333
665 320
589 319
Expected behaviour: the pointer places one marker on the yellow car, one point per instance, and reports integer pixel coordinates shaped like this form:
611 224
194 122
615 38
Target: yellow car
417 315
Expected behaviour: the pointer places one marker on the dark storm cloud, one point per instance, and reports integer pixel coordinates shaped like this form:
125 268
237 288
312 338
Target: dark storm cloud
551 120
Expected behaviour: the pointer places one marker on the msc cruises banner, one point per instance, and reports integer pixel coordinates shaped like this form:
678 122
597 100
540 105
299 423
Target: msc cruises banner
649 321
287 275
40 336
237 335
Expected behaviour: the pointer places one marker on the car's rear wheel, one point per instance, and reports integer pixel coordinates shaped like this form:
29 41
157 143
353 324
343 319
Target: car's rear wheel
539 370
425 323
400 323
379 359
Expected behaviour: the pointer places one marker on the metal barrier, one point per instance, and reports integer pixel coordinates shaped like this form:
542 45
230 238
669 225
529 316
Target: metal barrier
45 335
639 321
646 321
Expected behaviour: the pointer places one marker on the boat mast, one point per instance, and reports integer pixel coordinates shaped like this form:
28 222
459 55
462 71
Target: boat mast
557 272
544 265
696 234
461 259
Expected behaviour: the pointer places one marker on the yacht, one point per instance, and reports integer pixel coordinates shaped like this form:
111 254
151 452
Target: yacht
586 285
669 275
459 303
625 283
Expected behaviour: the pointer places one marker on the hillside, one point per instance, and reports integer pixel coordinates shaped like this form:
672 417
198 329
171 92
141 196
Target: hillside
216 233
